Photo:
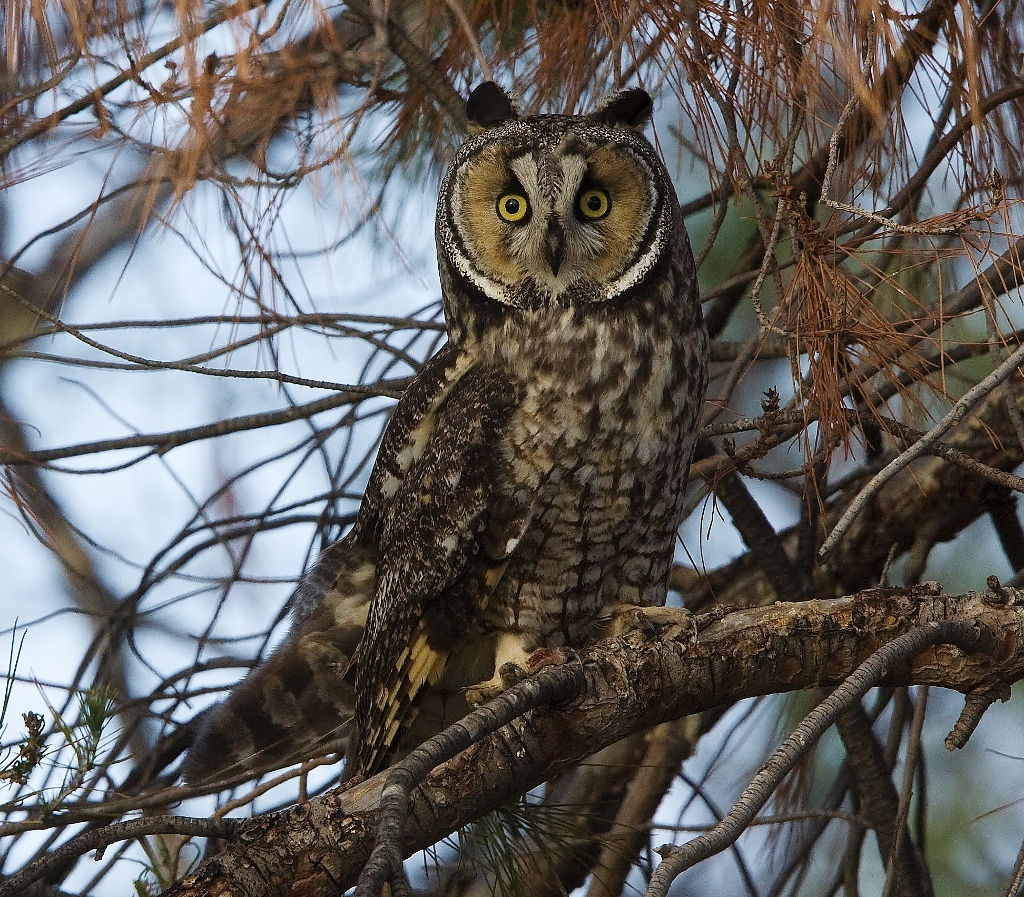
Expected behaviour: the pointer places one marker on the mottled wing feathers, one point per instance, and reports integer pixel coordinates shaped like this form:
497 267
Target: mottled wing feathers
407 436
437 561
300 698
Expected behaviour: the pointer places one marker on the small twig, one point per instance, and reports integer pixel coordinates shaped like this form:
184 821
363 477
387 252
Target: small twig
709 242
895 863
111 834
1013 889
727 104
48 122
757 533
329 758
419 66
995 341
550 685
954 456
775 819
937 151
895 428
757 793
837 134
955 415
460 14
164 442
715 406
749 424
876 217
889 558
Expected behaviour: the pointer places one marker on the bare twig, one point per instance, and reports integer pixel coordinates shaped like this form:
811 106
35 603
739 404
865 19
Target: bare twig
42 125
111 834
953 417
1017 879
902 852
678 859
164 442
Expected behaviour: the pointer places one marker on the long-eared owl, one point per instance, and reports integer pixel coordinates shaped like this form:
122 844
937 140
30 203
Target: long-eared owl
532 477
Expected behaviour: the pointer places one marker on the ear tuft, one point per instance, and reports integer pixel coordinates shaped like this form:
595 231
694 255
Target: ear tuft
631 108
489 106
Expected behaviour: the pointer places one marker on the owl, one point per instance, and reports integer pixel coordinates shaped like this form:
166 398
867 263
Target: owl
531 479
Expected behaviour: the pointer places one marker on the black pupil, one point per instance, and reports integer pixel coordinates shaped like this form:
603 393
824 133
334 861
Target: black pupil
512 206
594 202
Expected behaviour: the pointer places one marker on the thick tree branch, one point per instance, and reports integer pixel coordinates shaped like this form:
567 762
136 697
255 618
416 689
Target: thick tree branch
633 682
669 745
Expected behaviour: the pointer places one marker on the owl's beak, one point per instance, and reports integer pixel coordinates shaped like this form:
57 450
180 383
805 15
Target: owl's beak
554 245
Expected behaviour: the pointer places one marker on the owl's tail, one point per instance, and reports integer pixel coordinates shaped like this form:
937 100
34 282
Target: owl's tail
302 699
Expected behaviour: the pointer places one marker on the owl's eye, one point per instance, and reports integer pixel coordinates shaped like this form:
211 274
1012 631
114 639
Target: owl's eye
513 207
594 203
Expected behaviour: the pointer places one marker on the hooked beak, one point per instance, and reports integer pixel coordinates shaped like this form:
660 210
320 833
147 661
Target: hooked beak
554 245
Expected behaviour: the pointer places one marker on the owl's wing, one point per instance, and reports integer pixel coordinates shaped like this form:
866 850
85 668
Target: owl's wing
445 541
300 698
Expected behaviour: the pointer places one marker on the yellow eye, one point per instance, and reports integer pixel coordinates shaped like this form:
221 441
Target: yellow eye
512 207
594 203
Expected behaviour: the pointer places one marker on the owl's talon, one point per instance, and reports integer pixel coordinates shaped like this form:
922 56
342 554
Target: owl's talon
545 657
511 674
483 692
642 621
651 620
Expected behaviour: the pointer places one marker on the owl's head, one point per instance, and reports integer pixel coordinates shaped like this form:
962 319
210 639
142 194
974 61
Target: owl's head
554 209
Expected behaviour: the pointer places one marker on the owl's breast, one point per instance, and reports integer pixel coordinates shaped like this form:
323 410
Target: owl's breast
598 446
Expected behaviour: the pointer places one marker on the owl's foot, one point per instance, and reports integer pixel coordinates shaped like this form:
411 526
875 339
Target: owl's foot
676 620
511 673
508 674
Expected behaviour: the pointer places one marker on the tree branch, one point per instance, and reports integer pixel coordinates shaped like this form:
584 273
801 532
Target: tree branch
164 442
641 679
880 802
876 668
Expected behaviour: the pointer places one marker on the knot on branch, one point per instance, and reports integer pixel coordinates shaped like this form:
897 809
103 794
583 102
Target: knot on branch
975 704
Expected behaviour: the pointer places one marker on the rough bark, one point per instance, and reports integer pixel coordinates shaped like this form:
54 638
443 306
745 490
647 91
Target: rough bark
879 802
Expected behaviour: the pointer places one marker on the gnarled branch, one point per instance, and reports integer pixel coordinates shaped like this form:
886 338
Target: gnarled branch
632 682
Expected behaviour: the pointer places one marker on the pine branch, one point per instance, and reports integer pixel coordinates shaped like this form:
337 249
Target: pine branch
632 683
